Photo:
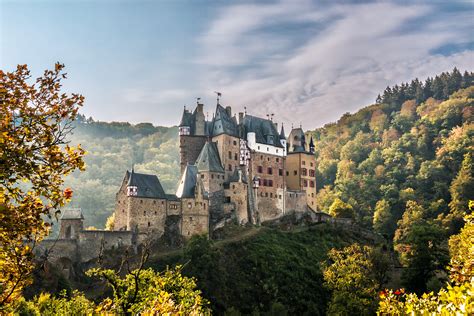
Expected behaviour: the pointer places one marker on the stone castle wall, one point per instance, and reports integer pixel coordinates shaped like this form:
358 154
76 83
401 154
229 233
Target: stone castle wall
147 214
189 149
237 195
229 153
195 217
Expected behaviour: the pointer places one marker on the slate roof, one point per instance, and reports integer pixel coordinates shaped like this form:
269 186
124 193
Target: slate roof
282 132
264 129
148 185
72 213
299 134
223 123
187 184
208 159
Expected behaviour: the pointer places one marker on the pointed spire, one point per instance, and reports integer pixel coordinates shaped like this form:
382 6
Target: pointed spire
282 132
311 145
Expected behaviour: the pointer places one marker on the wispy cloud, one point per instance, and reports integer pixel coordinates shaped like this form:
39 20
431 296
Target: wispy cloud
311 63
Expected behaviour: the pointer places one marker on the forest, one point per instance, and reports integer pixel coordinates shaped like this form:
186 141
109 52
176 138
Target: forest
111 150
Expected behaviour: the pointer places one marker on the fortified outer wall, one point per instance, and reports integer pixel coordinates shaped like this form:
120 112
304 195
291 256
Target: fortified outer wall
90 242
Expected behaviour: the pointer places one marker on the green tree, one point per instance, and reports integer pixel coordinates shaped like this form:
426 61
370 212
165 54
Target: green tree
462 189
144 291
383 219
34 158
341 209
349 275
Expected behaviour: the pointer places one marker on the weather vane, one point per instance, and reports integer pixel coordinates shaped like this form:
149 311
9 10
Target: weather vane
218 95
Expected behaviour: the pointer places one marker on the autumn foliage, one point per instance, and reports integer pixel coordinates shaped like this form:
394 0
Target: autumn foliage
35 118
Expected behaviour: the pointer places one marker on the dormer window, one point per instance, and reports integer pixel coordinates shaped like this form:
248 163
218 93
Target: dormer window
270 139
132 191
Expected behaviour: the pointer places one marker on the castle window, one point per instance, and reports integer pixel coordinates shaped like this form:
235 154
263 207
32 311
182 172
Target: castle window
268 158
311 172
305 183
230 155
264 182
190 219
311 184
154 202
236 157
258 147
295 172
227 199
270 183
202 176
261 156
271 194
162 202
141 201
278 159
205 205
156 213
266 194
303 162
287 173
235 142
279 196
280 172
270 170
123 211
212 176
260 169
230 168
268 149
233 186
311 164
118 202
277 153
149 224
304 172
190 205
312 194
144 213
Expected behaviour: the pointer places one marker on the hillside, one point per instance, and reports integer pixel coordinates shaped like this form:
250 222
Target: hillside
112 148
270 271
408 146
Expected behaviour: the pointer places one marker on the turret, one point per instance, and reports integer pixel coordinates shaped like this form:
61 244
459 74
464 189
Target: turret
311 145
185 124
72 223
282 136
132 188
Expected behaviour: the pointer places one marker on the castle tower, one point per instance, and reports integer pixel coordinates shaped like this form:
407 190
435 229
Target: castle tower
192 135
194 203
72 223
301 166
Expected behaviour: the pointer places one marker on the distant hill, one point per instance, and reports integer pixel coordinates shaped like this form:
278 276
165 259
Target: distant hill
112 148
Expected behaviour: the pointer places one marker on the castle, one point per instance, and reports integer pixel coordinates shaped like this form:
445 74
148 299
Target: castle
233 168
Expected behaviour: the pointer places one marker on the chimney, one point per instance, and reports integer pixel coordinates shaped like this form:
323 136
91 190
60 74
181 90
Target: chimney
241 117
228 110
200 108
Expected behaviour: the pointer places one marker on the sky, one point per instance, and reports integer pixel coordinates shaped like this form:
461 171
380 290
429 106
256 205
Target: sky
307 62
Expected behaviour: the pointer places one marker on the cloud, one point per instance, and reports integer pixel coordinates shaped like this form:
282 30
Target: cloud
311 63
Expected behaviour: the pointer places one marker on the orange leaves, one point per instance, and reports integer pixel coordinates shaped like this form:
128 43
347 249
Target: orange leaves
68 193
